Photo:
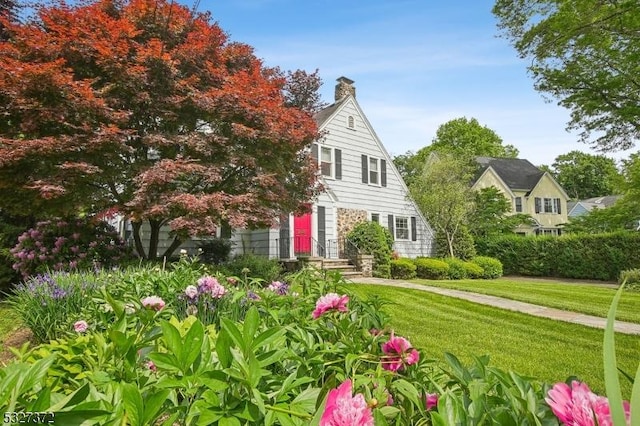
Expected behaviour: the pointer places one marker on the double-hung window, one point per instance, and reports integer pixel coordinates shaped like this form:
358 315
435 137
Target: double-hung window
374 171
329 160
518 204
402 228
548 205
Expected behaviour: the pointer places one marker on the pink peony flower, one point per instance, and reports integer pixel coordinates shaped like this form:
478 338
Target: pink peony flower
191 291
431 400
153 302
399 353
578 406
328 302
343 409
80 326
208 284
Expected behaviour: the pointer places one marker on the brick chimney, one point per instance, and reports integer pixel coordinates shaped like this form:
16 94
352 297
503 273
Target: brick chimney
344 88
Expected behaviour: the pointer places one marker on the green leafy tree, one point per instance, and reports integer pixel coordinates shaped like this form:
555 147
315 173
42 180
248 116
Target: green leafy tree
585 175
492 214
461 137
585 55
444 196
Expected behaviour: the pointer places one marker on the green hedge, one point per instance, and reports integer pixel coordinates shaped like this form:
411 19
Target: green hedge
403 269
594 256
431 269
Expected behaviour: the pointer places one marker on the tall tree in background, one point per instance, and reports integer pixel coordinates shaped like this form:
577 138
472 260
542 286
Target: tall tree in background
585 175
585 55
8 10
146 108
443 194
461 137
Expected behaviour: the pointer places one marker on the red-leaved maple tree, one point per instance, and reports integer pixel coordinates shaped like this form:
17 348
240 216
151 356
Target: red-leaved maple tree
147 108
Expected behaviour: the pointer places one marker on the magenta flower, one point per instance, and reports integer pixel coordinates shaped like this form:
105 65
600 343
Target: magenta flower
80 326
398 353
151 366
431 400
578 406
343 409
153 302
329 302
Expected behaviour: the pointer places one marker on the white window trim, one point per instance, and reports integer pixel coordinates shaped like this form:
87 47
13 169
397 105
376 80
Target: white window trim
379 171
408 228
554 209
332 150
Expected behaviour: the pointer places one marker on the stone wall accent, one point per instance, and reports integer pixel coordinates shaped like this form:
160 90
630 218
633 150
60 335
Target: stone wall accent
347 220
365 265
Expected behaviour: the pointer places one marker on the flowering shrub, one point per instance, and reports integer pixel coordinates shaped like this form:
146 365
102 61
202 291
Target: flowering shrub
295 353
68 245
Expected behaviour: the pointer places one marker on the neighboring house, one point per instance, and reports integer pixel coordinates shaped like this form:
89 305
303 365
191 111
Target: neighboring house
582 207
361 184
530 190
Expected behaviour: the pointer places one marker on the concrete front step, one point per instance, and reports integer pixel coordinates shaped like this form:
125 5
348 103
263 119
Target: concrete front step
344 266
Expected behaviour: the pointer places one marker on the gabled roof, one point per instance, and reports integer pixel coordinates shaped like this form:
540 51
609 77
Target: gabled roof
517 174
324 114
606 201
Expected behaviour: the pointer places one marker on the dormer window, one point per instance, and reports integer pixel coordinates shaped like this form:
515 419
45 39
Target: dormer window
351 122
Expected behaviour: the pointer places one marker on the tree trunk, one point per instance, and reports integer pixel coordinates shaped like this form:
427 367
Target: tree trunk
154 238
450 242
137 240
174 245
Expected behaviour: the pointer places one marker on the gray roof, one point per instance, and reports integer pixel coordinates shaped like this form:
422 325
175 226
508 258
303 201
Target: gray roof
516 173
324 114
606 201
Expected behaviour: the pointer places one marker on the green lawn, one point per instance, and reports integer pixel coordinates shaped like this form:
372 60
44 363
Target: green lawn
585 298
545 349
9 320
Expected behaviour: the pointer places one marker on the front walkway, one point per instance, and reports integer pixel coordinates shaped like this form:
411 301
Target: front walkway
512 305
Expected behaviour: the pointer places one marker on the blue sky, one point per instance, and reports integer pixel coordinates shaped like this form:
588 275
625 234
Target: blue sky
416 65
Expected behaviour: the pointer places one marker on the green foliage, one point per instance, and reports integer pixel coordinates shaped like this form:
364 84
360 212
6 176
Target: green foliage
431 269
491 267
259 267
274 365
10 230
463 245
583 175
403 269
473 270
215 250
599 257
630 278
491 214
373 239
458 269
442 193
584 54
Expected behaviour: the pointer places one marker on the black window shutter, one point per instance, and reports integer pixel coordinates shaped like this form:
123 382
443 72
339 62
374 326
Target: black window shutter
391 226
365 169
538 202
414 229
558 208
337 153
383 172
225 230
322 233
314 151
285 240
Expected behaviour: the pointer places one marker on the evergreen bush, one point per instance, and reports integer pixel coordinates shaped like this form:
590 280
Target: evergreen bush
373 239
492 268
473 270
457 268
431 269
588 256
403 269
631 279
463 245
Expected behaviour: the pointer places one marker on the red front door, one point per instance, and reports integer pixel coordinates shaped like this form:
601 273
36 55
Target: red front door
302 234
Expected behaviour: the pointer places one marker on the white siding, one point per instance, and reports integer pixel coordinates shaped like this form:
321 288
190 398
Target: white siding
350 192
